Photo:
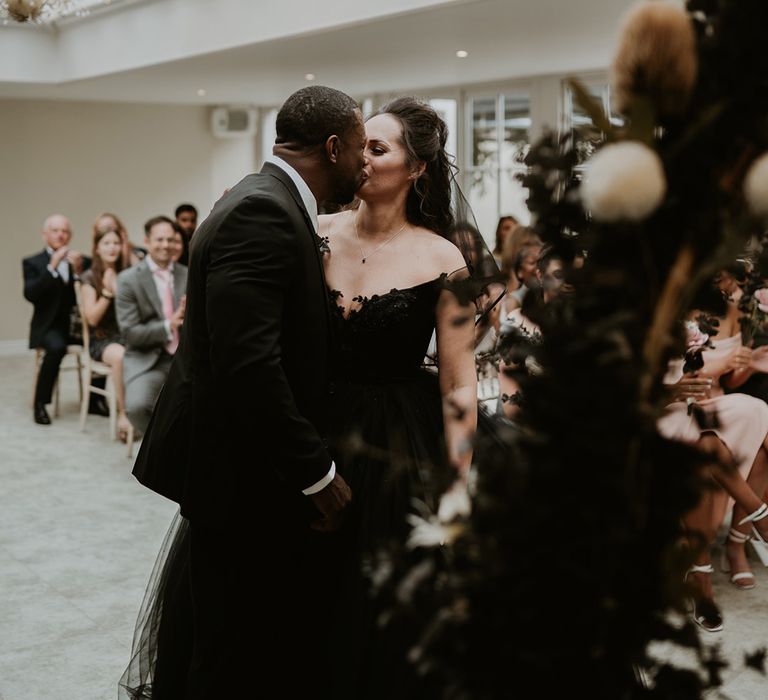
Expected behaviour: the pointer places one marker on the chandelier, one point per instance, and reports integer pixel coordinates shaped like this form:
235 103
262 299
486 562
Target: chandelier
43 11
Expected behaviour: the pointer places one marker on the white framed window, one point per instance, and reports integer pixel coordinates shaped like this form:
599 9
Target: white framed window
587 136
497 138
448 109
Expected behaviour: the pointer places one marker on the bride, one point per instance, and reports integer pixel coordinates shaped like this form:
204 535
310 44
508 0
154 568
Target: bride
397 431
399 434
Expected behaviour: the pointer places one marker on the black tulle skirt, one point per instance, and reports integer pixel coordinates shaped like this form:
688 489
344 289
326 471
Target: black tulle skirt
389 446
162 641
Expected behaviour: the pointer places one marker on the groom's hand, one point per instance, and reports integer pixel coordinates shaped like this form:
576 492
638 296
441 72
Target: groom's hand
331 502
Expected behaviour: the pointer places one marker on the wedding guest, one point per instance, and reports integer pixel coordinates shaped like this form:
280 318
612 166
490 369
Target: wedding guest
130 253
519 238
49 285
98 300
178 244
738 437
525 270
186 218
150 307
754 380
550 272
504 228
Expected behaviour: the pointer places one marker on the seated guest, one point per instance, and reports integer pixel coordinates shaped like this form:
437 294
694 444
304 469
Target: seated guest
150 307
520 237
525 271
177 251
739 437
98 300
130 253
520 334
505 226
186 218
49 284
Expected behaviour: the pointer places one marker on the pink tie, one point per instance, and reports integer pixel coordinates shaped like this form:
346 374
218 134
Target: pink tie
167 300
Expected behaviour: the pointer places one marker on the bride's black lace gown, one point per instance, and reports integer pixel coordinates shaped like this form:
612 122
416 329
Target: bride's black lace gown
386 412
387 442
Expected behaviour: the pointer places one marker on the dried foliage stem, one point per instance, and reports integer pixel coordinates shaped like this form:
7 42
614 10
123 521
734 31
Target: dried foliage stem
665 317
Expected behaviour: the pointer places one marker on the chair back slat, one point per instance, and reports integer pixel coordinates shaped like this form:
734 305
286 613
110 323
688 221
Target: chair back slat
83 320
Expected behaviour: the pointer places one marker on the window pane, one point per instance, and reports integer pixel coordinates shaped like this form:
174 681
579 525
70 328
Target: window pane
483 196
589 137
484 133
447 109
513 196
517 124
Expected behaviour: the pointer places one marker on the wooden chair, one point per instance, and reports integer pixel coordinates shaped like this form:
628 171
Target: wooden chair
74 351
91 368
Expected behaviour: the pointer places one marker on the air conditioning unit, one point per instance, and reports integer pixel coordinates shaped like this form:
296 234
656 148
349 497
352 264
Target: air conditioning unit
233 121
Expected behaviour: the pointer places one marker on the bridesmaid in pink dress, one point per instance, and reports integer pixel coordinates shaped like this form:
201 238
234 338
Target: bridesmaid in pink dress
740 438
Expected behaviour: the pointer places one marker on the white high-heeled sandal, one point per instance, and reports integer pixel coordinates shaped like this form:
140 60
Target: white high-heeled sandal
705 612
758 543
740 538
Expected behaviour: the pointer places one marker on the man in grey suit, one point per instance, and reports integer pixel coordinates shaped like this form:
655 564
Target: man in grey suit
150 307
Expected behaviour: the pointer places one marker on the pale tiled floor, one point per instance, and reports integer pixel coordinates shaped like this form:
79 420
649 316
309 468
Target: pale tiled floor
78 537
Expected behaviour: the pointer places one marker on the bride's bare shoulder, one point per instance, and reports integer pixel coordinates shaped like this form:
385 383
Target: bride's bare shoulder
444 253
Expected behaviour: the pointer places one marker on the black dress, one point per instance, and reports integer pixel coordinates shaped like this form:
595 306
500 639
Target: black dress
387 442
107 332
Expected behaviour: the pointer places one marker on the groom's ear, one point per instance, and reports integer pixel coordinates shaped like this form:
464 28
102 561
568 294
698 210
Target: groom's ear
332 148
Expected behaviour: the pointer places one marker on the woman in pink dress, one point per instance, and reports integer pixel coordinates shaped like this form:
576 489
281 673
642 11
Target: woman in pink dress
735 431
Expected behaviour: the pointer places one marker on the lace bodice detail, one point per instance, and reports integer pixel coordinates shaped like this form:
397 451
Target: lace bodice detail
384 336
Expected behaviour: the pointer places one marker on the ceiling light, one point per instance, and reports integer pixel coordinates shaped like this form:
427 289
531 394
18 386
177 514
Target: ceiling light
309 76
462 54
201 92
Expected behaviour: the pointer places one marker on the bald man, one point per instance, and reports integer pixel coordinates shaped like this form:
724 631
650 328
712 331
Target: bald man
49 278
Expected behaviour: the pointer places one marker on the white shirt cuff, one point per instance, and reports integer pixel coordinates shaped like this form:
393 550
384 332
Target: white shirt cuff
320 485
53 271
168 333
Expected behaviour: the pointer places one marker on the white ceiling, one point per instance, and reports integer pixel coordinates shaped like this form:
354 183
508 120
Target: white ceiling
412 50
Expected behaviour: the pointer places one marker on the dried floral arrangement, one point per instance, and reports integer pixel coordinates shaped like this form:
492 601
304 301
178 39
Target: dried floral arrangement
570 565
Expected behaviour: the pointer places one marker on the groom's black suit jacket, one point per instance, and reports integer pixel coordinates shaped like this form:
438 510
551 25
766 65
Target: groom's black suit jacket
236 430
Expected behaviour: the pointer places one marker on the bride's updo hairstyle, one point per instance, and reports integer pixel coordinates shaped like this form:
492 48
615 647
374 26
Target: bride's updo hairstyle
424 138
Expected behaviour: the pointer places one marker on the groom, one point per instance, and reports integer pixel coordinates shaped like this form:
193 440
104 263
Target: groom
236 434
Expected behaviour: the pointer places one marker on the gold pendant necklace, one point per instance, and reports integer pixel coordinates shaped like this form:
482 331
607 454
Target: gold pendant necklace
363 256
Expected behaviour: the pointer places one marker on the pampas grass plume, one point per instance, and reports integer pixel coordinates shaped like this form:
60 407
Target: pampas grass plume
624 182
656 58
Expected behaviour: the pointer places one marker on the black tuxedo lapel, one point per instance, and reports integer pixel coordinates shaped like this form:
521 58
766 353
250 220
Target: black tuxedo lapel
285 179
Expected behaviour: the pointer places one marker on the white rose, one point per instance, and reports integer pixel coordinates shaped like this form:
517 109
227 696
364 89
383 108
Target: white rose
624 182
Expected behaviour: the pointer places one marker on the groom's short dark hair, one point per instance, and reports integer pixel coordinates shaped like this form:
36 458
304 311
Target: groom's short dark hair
314 113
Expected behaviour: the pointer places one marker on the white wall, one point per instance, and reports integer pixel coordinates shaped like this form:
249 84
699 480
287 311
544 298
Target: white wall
82 158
